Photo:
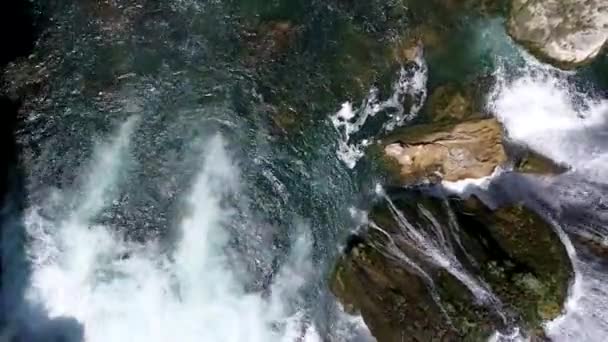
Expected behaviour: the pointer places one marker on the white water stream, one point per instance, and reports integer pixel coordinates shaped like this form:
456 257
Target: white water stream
541 109
436 246
110 289
95 285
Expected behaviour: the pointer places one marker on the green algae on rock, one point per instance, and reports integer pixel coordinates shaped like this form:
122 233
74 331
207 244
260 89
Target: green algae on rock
404 295
451 103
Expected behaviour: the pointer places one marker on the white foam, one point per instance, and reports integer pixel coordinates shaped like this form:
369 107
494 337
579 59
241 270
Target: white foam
124 291
348 121
350 327
513 336
540 109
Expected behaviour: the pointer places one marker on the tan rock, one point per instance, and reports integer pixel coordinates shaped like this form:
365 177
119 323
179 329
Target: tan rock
471 149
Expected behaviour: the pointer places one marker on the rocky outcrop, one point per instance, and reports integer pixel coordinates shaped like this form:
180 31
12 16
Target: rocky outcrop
451 103
402 276
268 42
566 32
457 143
471 149
529 162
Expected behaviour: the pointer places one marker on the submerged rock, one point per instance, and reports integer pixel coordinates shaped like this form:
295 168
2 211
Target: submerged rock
566 32
434 269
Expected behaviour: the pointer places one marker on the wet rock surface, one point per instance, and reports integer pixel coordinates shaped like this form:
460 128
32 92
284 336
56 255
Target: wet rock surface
452 103
410 288
566 32
283 66
471 149
459 141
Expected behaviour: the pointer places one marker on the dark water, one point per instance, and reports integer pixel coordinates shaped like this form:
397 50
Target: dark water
174 162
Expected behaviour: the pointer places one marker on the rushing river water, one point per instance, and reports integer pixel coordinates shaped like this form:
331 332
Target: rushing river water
154 200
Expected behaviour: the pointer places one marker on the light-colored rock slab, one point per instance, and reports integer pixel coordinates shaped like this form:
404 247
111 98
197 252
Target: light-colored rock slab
566 32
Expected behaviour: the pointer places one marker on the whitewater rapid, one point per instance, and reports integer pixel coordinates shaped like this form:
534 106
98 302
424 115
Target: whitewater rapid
103 287
542 108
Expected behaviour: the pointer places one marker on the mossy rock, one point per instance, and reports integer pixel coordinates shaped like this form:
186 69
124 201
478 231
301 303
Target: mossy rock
534 270
446 150
567 33
403 296
451 102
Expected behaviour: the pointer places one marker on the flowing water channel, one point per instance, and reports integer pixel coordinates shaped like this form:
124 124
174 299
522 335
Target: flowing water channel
153 201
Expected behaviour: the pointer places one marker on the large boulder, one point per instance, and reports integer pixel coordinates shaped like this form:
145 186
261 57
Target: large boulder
566 32
452 151
407 276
